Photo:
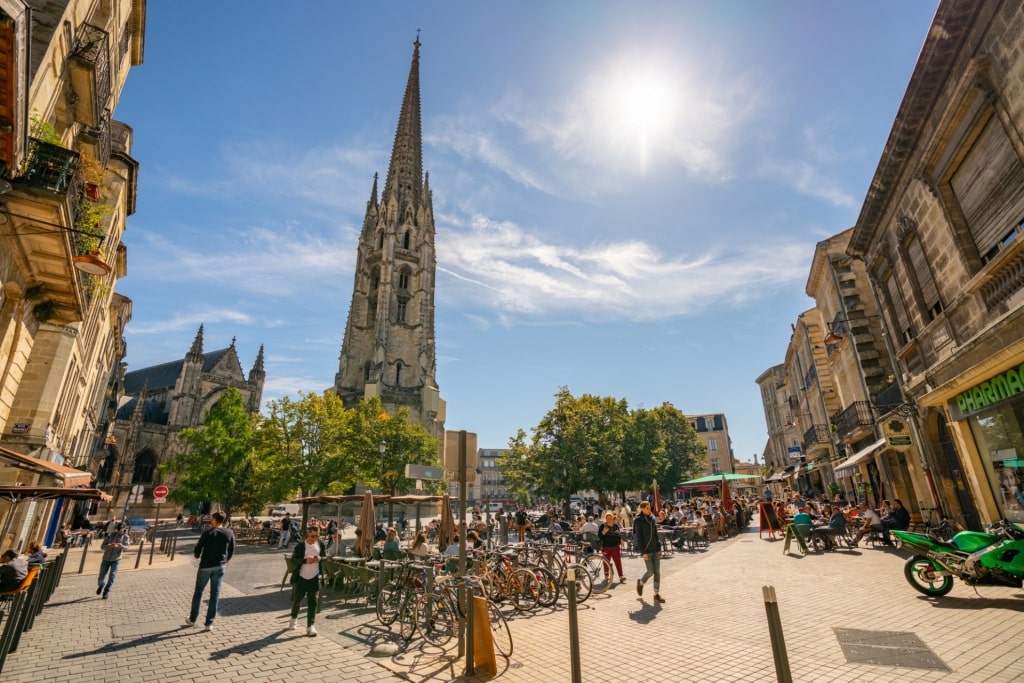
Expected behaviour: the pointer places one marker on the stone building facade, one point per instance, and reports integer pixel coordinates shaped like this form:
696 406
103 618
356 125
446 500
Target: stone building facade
67 186
940 235
389 347
154 405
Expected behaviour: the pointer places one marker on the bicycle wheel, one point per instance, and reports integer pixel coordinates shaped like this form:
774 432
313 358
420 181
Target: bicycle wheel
547 587
524 589
583 582
500 632
407 616
601 573
436 619
389 599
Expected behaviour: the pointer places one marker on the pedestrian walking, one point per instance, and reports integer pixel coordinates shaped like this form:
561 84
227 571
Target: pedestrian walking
645 532
214 549
286 529
521 520
306 578
610 537
113 547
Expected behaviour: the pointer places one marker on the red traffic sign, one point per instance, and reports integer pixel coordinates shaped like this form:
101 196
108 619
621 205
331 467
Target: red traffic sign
160 491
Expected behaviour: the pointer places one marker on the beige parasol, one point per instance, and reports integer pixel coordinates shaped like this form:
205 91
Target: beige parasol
367 523
446 528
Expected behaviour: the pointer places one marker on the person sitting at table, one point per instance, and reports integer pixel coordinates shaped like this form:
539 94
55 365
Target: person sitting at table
898 518
13 570
392 549
419 546
35 552
836 526
473 541
578 524
872 522
65 537
801 517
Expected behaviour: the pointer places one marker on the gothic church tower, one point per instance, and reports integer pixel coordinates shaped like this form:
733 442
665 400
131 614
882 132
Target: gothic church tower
389 348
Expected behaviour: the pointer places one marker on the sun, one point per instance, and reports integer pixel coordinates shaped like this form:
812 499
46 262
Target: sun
641 106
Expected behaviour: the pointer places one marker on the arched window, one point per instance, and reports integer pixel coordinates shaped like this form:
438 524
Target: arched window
145 466
375 279
380 240
403 279
398 373
400 312
106 473
406 239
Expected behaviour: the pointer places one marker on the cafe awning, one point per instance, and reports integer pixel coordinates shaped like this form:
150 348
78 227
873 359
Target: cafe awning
66 476
847 467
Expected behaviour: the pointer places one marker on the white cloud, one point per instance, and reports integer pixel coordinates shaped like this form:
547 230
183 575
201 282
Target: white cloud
188 320
498 265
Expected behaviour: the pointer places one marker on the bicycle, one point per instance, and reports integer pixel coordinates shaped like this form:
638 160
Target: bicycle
437 614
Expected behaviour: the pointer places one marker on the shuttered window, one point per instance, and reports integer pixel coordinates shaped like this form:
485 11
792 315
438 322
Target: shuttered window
925 281
898 308
989 185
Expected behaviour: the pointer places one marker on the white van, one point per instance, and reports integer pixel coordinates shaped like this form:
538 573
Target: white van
494 508
282 508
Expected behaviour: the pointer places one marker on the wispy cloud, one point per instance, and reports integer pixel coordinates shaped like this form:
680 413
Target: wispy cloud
812 169
498 265
189 320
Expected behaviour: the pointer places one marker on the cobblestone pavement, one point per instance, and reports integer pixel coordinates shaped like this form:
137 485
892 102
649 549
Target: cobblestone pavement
712 628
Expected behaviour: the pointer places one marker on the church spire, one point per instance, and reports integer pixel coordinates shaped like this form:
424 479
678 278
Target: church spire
405 174
195 354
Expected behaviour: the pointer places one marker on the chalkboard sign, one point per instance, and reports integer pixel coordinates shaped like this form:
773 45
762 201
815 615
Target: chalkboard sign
769 522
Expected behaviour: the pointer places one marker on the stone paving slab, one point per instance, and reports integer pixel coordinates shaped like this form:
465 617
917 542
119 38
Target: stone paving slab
713 627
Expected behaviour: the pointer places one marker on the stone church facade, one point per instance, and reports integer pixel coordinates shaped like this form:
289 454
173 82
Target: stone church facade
389 346
155 404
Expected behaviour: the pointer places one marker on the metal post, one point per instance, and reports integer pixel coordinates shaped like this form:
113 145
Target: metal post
462 546
174 547
138 558
85 549
470 655
778 641
574 626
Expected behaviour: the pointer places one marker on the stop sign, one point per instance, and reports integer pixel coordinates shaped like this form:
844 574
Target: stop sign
160 492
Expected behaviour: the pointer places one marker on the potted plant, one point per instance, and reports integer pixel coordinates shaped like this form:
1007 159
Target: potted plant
92 174
45 311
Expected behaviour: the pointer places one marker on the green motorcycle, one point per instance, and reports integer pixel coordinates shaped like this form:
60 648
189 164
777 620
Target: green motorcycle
992 558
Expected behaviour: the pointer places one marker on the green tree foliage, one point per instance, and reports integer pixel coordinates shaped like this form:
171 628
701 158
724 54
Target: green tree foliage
219 463
304 448
404 443
594 442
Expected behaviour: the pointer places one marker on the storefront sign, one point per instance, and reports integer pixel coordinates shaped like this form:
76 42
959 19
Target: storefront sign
20 427
999 388
897 434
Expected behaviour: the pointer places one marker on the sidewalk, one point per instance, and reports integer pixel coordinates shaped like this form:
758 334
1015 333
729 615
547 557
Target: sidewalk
713 628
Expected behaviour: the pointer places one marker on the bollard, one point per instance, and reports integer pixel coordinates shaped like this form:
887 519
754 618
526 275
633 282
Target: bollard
152 547
574 626
85 549
138 558
470 654
778 641
174 547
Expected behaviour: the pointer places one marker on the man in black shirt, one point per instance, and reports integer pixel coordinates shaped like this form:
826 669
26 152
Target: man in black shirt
521 520
13 570
898 518
215 548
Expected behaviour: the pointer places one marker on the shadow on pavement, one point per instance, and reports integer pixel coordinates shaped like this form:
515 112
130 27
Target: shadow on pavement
256 645
108 648
254 604
1016 603
645 614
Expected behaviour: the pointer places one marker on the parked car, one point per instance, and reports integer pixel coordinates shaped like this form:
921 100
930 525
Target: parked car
137 523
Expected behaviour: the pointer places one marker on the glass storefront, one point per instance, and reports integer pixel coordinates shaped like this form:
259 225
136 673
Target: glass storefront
999 435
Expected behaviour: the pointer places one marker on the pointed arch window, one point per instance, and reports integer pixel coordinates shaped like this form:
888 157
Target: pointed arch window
407 239
400 312
404 277
398 373
380 239
145 466
375 279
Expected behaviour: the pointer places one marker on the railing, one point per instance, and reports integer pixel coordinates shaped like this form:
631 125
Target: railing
52 168
93 50
817 434
858 414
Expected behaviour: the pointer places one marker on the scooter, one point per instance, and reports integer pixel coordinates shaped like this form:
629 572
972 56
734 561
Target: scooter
992 558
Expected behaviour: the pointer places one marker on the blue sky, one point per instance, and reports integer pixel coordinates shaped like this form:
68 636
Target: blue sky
627 194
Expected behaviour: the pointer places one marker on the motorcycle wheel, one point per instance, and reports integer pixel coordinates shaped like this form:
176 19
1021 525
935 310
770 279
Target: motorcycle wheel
920 573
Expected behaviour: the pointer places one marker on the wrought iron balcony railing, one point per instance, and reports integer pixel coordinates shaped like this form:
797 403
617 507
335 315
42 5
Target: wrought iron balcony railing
52 168
856 415
817 434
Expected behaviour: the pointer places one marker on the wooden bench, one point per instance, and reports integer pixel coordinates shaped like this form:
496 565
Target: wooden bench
251 535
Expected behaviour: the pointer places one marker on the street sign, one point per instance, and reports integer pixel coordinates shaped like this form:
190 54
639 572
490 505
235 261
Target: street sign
159 500
424 472
136 494
160 492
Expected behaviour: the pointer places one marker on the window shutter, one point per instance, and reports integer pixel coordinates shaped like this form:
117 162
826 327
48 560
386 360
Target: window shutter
989 185
923 275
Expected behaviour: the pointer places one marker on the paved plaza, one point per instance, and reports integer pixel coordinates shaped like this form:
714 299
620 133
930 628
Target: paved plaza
838 611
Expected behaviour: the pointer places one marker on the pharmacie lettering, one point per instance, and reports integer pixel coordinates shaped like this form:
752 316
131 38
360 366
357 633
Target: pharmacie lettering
994 390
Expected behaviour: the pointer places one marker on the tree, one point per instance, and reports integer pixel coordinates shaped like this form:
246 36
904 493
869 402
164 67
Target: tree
218 463
306 449
403 443
682 453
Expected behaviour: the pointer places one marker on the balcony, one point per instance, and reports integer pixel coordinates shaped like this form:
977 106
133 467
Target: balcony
852 421
90 75
815 436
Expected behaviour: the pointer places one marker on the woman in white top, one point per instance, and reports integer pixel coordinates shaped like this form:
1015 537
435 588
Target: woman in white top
419 546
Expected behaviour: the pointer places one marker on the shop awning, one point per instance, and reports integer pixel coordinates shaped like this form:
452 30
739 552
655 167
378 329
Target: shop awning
66 476
847 467
781 476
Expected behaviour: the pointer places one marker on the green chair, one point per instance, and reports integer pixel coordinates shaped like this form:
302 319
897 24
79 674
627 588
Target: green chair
292 565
